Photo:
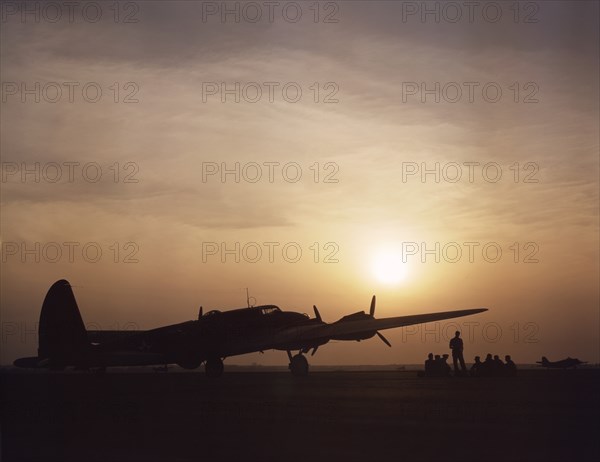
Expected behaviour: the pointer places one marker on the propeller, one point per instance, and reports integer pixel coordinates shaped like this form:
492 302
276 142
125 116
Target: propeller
385 340
317 317
317 314
372 314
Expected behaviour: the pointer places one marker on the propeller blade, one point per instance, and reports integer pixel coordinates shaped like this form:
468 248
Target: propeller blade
200 312
385 340
372 309
317 314
314 350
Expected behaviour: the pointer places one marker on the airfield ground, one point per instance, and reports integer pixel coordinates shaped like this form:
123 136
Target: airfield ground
328 416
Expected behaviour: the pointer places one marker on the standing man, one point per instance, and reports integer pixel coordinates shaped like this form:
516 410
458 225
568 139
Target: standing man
456 345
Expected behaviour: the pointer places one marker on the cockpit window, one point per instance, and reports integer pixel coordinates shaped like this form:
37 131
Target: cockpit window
269 309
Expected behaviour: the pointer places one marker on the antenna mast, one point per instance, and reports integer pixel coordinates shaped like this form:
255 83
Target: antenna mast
248 298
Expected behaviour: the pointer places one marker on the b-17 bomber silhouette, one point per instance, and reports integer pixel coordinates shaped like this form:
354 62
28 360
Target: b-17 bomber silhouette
562 364
214 336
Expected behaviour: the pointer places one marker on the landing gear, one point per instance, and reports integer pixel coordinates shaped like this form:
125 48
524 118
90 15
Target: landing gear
298 365
214 367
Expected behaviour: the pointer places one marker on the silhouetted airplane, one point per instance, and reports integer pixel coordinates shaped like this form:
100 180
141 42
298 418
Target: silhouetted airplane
64 341
562 364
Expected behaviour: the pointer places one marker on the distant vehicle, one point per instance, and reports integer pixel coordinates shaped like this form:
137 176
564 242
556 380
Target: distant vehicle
64 341
562 364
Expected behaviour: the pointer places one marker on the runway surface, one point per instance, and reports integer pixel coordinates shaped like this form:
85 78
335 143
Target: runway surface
391 415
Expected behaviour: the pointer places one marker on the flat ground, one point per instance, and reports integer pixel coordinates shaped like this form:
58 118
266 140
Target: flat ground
392 415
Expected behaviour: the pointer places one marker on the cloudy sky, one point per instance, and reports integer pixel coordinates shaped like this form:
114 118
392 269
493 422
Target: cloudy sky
317 154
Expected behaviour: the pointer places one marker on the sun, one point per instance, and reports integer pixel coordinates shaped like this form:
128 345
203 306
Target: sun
388 268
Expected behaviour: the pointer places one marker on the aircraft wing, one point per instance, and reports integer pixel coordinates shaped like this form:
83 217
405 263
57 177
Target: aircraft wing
350 326
364 325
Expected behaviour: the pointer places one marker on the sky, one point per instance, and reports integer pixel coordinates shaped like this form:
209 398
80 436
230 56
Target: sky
166 155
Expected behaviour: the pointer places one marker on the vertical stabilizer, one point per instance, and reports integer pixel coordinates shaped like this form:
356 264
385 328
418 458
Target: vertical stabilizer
62 335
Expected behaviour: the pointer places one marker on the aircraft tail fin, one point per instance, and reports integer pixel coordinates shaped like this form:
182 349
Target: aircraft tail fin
62 334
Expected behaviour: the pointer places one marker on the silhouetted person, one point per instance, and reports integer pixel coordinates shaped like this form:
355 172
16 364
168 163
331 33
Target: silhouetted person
498 368
437 366
429 365
476 367
510 368
445 368
456 345
487 367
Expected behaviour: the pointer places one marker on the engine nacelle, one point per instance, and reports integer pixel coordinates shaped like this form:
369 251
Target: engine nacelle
357 336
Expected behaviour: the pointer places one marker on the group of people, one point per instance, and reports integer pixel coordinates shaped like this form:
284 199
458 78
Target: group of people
437 366
493 367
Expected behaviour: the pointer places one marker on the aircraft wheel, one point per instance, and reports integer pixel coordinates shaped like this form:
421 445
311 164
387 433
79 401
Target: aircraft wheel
214 367
299 366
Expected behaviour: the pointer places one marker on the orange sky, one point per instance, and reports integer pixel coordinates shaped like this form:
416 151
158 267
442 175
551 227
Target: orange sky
359 195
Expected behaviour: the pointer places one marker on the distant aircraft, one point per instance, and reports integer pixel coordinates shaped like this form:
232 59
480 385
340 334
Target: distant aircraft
64 341
562 364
